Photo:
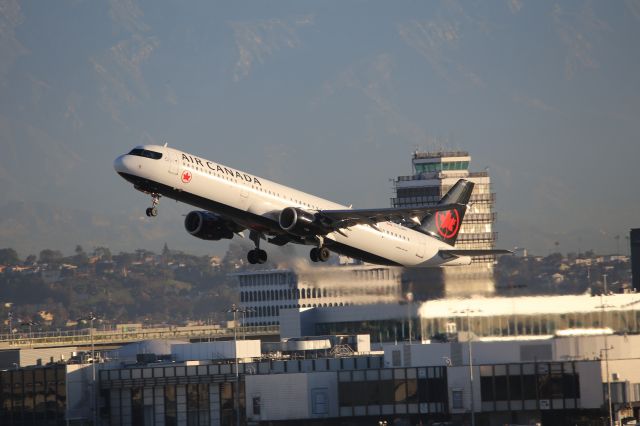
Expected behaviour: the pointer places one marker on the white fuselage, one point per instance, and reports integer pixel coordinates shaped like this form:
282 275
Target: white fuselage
243 197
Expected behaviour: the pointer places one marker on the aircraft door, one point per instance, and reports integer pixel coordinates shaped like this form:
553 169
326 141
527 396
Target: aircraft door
173 162
244 197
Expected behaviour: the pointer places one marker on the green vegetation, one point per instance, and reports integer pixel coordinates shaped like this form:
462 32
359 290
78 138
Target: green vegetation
54 291
172 287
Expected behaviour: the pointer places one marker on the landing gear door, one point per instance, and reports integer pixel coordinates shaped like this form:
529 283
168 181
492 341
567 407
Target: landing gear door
173 162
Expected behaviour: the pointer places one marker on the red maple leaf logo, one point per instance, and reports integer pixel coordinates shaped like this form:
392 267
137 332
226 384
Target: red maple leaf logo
448 223
186 176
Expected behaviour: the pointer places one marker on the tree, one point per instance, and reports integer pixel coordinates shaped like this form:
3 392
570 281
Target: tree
8 256
50 256
103 253
166 253
553 259
81 257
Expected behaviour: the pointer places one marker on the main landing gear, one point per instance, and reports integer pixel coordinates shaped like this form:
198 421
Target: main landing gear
256 255
319 254
153 210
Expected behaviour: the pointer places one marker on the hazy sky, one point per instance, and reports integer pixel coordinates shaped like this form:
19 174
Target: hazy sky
331 97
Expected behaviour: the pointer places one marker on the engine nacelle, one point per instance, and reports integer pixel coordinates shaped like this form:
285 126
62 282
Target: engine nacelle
299 222
207 226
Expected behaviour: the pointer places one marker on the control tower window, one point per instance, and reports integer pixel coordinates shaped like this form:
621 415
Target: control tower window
455 165
146 153
428 167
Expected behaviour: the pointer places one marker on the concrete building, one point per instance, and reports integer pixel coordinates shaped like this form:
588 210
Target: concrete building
383 322
263 294
24 357
561 380
433 174
55 394
548 380
496 317
509 317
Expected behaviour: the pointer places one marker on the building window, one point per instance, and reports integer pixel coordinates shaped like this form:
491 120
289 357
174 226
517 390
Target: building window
256 405
395 358
522 381
198 404
170 406
137 407
320 401
457 399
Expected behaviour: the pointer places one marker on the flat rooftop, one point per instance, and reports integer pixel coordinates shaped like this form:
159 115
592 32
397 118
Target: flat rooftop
530 305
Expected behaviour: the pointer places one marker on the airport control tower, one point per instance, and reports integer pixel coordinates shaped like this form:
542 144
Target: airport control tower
433 174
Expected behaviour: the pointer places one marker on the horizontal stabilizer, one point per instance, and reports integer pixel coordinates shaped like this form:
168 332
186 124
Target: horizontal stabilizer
479 252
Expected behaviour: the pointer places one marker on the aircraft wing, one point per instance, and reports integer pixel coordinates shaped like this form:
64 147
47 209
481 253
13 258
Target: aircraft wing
338 219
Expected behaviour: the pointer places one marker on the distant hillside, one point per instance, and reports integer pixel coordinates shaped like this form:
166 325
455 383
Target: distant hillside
29 227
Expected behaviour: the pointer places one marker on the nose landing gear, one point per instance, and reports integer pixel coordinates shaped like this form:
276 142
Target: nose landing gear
153 210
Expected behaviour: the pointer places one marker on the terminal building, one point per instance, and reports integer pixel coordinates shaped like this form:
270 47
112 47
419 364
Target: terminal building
512 317
376 300
545 380
263 294
433 174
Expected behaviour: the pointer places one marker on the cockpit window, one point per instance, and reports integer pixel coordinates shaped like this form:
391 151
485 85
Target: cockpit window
146 153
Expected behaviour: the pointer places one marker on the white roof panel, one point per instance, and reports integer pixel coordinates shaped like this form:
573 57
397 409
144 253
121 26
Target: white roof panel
532 305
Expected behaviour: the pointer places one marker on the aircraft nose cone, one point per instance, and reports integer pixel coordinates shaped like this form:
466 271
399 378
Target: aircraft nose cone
119 164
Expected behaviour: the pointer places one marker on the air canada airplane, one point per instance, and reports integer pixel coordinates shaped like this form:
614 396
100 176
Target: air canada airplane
233 201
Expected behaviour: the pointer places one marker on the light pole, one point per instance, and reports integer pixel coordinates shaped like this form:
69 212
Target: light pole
10 315
91 317
94 411
473 409
30 324
468 311
606 349
245 311
235 310
409 298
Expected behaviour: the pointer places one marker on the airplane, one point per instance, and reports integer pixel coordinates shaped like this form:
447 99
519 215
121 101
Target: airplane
233 201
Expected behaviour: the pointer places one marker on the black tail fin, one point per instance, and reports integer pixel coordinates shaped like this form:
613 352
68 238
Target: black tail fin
444 225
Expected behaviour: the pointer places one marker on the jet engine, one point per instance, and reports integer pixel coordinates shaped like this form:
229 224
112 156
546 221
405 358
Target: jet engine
207 226
299 222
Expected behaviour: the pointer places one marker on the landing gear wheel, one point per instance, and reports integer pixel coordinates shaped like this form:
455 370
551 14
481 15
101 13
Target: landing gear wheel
153 210
313 254
257 256
323 254
262 256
